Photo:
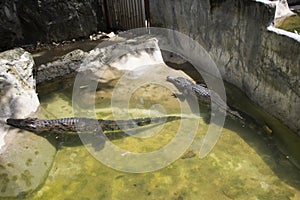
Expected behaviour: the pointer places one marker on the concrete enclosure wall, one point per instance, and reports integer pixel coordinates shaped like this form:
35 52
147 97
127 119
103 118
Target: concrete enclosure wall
264 65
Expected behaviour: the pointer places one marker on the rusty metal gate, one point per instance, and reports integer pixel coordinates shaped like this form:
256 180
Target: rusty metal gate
127 14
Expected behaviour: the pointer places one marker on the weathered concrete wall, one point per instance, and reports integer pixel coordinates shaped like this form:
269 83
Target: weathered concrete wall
264 65
29 21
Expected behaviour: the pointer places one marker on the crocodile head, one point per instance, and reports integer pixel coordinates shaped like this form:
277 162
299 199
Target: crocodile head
29 124
181 83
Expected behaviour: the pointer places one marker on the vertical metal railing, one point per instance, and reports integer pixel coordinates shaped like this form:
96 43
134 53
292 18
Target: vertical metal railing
127 14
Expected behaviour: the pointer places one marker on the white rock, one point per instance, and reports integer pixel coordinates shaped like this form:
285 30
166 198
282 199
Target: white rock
282 9
25 157
18 98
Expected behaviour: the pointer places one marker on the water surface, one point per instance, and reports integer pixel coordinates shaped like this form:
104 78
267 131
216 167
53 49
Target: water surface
245 163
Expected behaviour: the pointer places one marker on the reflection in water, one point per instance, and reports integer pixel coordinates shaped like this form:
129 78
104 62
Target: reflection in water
245 163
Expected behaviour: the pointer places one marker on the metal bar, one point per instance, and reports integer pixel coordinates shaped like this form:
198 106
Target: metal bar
133 13
111 13
136 11
147 12
130 14
108 24
140 13
122 2
117 5
126 14
118 13
141 19
144 13
126 25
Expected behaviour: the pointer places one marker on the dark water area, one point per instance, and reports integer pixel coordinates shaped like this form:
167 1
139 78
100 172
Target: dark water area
49 53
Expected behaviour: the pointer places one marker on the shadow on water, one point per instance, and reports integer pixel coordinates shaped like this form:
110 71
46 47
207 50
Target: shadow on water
51 53
266 147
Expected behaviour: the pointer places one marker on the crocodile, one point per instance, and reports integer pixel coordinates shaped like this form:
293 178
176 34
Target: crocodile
85 125
203 94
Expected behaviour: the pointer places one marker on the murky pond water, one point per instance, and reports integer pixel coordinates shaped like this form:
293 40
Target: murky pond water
244 164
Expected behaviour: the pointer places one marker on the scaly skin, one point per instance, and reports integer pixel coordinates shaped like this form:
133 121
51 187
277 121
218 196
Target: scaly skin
84 125
203 94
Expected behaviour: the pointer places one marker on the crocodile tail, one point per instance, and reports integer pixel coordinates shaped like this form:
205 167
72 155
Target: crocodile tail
135 123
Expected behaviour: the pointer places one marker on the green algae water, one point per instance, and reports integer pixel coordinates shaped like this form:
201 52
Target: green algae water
246 162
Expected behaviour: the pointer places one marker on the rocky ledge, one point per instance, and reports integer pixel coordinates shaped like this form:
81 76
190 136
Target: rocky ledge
25 157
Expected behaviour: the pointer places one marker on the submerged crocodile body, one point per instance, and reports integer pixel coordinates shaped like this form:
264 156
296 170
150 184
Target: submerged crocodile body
84 125
203 94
